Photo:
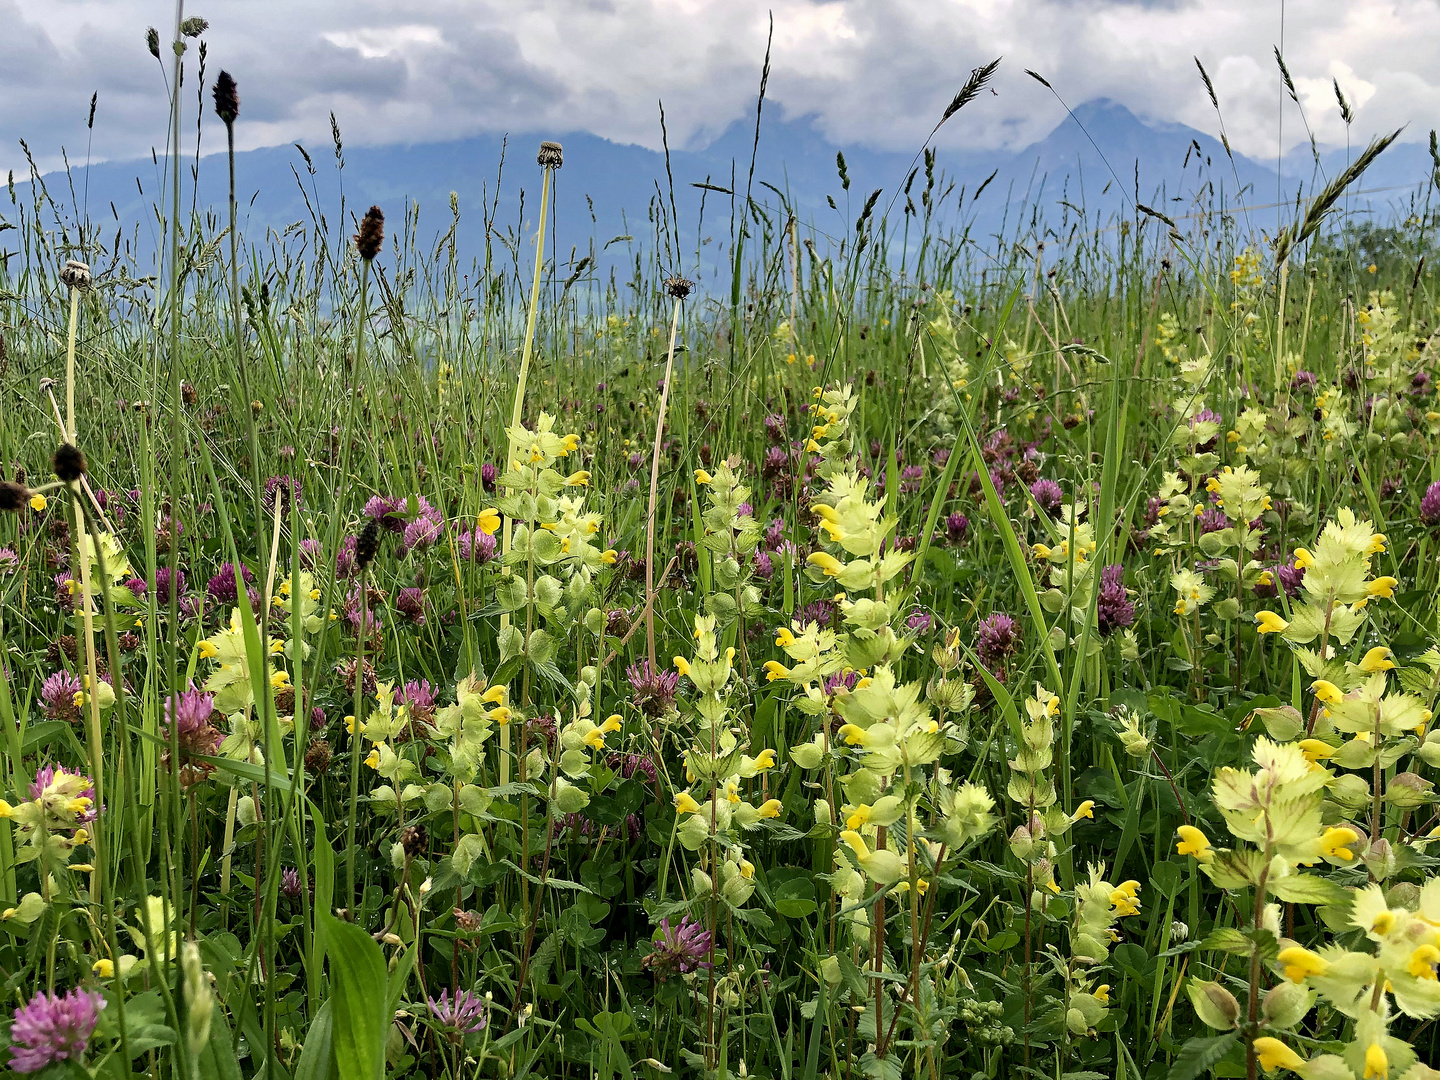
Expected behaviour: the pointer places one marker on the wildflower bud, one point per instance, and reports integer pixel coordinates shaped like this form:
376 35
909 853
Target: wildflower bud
371 236
823 814
1286 1004
678 287
1408 790
199 998
1215 1005
414 839
367 546
75 275
1179 931
194 26
700 883
551 155
13 497
152 41
68 462
245 811
1379 859
227 98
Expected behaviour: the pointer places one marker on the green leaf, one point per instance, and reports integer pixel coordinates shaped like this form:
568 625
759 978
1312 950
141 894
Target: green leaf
1198 1055
315 1057
217 1059
357 972
1308 889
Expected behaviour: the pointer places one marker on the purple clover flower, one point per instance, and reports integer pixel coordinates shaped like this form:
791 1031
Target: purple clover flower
57 696
223 587
920 621
957 525
53 1028
653 692
1048 495
679 950
1430 505
997 637
9 561
477 545
459 1015
1113 608
411 603
163 584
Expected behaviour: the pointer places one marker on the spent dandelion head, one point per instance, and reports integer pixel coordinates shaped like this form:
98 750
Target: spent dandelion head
551 155
678 287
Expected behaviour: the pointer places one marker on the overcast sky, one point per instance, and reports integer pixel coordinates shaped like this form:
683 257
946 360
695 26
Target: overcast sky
871 71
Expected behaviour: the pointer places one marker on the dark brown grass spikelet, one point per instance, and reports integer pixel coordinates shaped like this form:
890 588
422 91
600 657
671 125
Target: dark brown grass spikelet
152 41
678 287
227 98
551 156
13 497
367 546
68 462
371 236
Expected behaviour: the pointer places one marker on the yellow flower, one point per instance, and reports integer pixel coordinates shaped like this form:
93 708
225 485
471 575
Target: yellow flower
1101 993
702 477
373 758
1327 692
747 869
571 444
1315 749
1193 842
1303 559
494 696
1267 622
612 723
38 503
859 817
6 810
1335 843
350 724
1086 810
775 670
1423 961
488 521
685 804
1300 964
1041 551
1124 898
208 650
1377 659
765 760
577 479
771 808
784 638
103 968
596 739
851 734
681 665
832 566
1377 1065
1274 1054
1383 587
1377 544
609 556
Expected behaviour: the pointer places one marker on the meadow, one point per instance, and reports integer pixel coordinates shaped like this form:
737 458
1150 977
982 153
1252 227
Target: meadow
922 655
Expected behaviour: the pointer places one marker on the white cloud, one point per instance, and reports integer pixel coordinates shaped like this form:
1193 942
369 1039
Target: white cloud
872 71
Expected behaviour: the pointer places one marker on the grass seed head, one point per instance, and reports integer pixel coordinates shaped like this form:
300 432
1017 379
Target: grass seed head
227 98
371 236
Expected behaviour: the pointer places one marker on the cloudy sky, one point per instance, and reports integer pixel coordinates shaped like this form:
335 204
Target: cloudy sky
876 72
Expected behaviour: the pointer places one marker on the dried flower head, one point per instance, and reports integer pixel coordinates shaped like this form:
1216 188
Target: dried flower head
75 275
227 98
414 839
68 462
371 236
551 156
678 287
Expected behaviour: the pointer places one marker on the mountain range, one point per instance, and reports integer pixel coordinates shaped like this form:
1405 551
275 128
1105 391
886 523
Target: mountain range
1100 160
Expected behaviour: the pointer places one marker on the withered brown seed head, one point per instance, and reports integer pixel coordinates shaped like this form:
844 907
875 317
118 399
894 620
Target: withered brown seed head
414 839
68 462
371 237
367 545
227 98
678 287
551 156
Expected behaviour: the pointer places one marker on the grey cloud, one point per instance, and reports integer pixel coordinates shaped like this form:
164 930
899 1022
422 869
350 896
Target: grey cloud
871 71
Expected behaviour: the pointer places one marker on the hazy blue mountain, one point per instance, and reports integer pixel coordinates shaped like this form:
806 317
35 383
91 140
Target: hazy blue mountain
1100 161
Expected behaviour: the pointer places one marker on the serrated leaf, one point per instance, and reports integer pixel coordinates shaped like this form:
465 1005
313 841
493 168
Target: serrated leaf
1198 1055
